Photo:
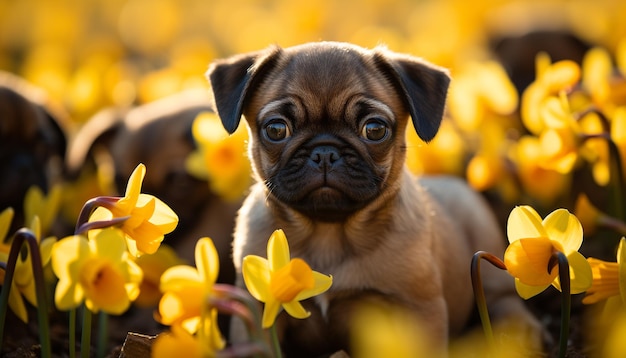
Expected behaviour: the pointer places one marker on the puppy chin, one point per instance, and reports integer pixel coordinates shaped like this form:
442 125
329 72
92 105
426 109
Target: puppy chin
326 204
327 198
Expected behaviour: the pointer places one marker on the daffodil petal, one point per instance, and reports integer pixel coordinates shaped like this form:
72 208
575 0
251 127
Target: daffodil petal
178 277
581 275
257 276
16 303
212 334
35 227
109 243
527 260
29 292
527 291
278 250
135 181
176 343
132 272
45 249
195 165
296 310
164 217
565 228
322 284
621 259
271 310
207 260
68 255
6 216
68 295
524 222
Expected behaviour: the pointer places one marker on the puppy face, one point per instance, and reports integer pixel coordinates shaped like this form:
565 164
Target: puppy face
328 120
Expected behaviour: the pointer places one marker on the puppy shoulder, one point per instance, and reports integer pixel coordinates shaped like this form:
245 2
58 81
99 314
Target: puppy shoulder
467 209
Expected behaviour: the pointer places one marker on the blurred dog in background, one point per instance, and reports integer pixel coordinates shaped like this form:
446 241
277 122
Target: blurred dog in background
33 143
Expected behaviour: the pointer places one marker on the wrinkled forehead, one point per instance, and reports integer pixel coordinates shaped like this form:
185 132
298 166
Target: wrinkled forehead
325 78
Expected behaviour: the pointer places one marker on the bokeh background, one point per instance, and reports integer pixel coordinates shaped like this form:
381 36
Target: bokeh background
89 54
92 55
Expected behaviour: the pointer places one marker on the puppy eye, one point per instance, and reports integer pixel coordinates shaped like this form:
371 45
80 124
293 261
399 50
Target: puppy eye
277 130
375 129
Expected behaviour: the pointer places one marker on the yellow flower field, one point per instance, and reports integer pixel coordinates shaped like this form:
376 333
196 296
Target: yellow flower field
115 184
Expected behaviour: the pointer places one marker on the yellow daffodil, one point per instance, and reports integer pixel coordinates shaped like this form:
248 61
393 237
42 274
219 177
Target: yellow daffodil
532 245
23 283
97 270
487 168
282 282
445 154
185 293
597 68
177 343
148 218
153 267
220 158
560 138
543 184
478 90
46 207
551 80
595 151
587 213
6 216
385 331
609 278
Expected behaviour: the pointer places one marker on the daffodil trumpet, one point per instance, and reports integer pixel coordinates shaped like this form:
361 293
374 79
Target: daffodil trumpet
26 236
479 293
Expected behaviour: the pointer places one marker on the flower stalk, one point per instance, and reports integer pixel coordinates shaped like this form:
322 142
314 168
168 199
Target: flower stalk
21 236
618 182
566 299
234 301
85 340
479 293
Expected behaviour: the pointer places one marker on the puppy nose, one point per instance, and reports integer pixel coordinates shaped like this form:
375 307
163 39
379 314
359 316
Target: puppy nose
325 155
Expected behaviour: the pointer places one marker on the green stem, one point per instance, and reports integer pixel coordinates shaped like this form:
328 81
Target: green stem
275 342
479 293
85 340
566 301
235 301
612 223
40 289
617 179
103 334
72 328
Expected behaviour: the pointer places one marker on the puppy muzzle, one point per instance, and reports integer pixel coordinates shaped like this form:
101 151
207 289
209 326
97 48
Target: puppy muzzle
325 157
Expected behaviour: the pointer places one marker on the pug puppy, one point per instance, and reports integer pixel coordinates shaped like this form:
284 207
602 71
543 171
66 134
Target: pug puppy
327 126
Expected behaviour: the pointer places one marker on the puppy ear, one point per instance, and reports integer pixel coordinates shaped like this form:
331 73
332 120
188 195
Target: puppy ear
232 78
424 87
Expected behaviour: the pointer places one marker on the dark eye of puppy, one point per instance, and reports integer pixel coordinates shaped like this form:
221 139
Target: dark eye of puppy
375 129
276 129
